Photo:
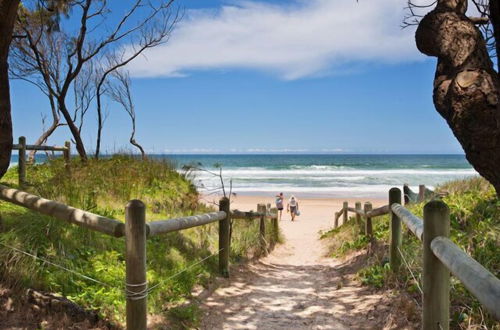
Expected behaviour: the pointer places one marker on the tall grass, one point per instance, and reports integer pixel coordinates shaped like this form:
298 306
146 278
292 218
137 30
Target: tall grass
475 227
104 187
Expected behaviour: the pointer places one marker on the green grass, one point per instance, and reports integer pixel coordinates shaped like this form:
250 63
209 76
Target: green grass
104 187
475 227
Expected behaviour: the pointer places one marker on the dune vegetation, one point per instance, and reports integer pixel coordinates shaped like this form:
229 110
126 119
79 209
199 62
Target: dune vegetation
104 187
475 227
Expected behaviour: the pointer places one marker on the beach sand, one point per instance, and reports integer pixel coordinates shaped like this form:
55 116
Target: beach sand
310 207
297 286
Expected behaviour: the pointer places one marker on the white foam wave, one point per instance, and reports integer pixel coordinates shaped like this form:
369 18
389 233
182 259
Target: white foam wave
347 172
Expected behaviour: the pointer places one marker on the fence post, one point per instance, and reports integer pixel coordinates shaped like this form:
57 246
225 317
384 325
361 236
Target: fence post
395 258
337 216
67 154
359 221
436 277
276 229
421 193
22 161
344 209
135 265
261 208
224 239
368 224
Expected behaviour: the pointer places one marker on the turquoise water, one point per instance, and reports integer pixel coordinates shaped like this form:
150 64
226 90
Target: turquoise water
326 175
322 175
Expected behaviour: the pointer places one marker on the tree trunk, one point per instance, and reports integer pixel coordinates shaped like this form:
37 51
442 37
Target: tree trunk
42 139
80 148
466 87
8 13
138 146
99 122
48 132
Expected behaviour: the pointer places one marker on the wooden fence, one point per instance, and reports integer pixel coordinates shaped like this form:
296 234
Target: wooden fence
22 147
440 257
136 231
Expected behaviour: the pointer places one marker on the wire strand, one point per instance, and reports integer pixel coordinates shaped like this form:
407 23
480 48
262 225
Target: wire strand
411 272
56 265
182 271
130 294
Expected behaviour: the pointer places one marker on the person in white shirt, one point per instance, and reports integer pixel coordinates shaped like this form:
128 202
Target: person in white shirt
292 207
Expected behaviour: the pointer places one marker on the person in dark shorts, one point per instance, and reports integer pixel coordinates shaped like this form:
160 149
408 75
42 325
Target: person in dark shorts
279 203
293 207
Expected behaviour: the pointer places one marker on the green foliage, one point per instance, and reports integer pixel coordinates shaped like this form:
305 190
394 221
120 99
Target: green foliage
475 227
374 275
104 187
346 239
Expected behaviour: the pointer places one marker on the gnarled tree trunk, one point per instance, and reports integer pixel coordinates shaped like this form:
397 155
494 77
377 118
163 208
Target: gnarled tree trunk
466 86
8 13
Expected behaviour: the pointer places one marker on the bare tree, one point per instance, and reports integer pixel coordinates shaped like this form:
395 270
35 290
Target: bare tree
55 58
119 91
466 85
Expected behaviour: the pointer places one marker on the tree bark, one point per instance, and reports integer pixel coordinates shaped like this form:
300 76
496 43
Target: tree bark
8 13
80 147
466 86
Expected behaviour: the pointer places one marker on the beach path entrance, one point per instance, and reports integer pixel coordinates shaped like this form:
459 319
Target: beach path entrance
297 286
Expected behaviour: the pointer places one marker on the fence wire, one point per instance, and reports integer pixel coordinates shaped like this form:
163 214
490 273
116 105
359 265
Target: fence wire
411 272
132 295
184 270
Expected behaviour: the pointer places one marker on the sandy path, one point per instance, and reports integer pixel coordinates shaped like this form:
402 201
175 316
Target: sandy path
296 286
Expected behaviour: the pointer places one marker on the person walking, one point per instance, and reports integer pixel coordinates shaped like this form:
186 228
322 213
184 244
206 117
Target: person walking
293 207
279 204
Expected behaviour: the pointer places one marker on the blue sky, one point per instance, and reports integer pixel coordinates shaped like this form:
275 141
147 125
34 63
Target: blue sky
274 76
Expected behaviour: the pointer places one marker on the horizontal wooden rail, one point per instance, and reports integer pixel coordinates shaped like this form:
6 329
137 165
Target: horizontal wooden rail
373 213
168 226
383 210
39 148
63 212
238 215
477 279
414 223
357 211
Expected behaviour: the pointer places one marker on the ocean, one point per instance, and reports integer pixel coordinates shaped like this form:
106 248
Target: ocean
325 175
320 175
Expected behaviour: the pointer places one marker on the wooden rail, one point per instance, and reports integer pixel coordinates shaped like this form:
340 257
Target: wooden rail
424 194
136 231
241 215
414 223
168 226
22 147
62 212
367 213
441 256
477 279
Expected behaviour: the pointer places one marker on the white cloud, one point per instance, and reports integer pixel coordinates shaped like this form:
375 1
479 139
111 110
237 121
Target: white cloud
298 39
